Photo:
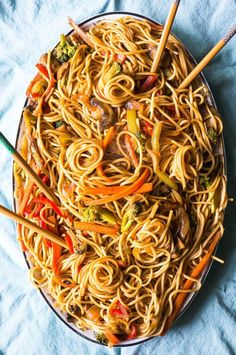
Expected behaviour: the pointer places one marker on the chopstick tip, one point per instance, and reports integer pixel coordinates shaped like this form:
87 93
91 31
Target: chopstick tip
230 34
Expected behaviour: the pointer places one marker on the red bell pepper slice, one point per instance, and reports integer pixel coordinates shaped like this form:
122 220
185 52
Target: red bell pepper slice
56 254
133 333
46 201
42 69
69 243
148 128
119 311
148 83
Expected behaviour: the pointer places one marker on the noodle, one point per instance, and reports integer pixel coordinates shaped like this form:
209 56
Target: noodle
131 277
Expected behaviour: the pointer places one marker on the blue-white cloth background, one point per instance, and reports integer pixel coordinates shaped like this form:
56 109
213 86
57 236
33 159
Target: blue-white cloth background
27 325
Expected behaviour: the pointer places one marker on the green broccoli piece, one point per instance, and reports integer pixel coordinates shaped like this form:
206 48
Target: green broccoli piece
58 124
100 214
212 135
101 338
129 217
142 140
205 181
114 70
64 51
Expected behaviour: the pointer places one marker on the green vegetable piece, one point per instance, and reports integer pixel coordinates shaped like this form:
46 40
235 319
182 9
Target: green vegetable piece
58 124
212 135
205 181
64 51
100 214
129 217
141 137
114 70
101 338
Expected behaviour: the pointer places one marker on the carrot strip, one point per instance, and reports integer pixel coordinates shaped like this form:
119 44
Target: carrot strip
80 32
69 242
26 197
189 283
108 138
110 190
93 227
113 340
130 148
126 191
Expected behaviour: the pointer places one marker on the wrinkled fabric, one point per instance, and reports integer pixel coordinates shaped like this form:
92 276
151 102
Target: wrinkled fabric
27 324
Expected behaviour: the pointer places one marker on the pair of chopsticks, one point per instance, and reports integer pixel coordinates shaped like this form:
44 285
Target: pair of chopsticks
204 61
45 189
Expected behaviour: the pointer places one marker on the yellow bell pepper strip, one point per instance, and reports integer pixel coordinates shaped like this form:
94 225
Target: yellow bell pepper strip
155 142
131 121
133 333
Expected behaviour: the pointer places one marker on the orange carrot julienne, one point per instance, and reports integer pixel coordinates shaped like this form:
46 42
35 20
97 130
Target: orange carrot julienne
26 197
126 191
113 340
108 138
93 227
110 190
189 283
130 148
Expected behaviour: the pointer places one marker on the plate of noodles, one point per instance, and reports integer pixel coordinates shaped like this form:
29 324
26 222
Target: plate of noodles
139 169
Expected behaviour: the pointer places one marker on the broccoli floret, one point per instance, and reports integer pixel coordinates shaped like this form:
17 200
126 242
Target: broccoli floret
142 139
114 70
93 213
64 51
90 214
101 338
212 135
129 217
205 181
58 124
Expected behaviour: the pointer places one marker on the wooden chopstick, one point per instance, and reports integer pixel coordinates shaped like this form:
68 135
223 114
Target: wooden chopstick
208 58
29 171
25 222
164 36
